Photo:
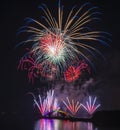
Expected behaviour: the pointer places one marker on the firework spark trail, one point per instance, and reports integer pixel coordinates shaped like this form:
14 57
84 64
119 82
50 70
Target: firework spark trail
72 106
59 44
28 63
90 106
47 105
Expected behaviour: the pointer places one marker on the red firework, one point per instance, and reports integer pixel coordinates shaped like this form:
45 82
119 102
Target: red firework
50 38
52 45
28 64
35 70
73 73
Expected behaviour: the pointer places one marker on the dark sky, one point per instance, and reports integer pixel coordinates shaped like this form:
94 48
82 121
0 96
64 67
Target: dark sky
14 84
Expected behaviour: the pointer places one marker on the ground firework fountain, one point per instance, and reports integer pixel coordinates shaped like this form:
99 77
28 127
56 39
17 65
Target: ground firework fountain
49 107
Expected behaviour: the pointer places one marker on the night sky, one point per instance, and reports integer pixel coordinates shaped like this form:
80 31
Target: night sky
14 84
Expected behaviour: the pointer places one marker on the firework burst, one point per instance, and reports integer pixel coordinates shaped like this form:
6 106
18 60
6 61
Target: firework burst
74 72
91 105
47 105
72 106
59 44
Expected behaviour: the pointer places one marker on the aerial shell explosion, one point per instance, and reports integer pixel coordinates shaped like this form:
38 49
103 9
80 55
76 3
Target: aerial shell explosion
56 46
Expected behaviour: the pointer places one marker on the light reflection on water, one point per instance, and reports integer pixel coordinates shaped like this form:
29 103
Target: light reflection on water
50 124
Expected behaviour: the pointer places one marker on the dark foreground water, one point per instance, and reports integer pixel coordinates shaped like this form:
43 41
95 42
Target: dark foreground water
46 124
52 124
102 120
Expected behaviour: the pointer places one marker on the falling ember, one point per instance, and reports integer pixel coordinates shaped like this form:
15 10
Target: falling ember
28 63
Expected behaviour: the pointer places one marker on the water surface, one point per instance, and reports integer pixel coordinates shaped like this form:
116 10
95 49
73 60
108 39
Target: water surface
54 124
